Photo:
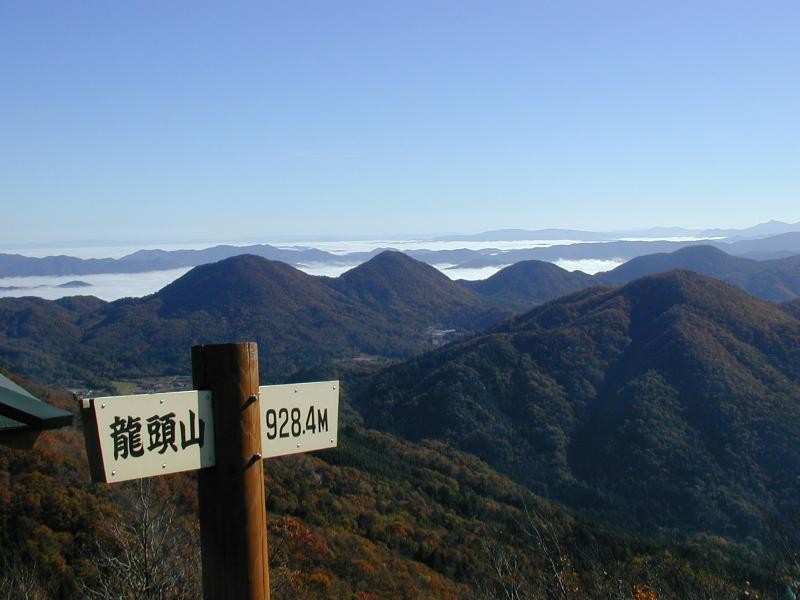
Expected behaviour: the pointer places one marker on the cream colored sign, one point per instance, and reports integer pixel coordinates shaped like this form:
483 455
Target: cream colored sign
299 417
154 434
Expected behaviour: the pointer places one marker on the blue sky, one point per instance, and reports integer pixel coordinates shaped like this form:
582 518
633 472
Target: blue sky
187 120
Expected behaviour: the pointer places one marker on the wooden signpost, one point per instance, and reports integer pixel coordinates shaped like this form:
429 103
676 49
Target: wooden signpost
224 428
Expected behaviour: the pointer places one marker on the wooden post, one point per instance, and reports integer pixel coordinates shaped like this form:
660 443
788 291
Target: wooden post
233 513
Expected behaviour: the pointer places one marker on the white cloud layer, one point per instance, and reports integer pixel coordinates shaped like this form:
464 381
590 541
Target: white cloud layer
107 286
589 265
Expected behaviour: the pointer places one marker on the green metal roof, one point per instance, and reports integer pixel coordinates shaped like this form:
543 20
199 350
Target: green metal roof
19 409
6 423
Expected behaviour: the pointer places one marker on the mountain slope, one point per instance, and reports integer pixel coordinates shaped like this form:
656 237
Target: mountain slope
528 283
792 307
669 403
403 288
36 335
245 284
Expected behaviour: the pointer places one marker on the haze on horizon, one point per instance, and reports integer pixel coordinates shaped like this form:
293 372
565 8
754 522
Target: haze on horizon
268 121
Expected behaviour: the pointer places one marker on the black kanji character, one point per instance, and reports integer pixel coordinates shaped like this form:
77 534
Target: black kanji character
126 435
162 432
193 437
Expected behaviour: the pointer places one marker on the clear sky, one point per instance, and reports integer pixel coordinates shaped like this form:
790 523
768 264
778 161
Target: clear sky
186 120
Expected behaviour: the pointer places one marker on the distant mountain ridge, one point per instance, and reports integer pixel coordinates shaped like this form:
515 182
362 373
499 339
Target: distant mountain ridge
768 240
766 229
141 261
513 235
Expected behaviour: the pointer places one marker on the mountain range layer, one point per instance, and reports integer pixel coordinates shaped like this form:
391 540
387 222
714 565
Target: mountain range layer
784 241
769 228
392 306
386 307
527 283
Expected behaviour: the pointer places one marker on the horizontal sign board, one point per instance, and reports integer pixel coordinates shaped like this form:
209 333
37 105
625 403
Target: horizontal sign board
150 434
298 417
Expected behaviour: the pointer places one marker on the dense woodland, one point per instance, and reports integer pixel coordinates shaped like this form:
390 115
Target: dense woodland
633 442
669 403
376 518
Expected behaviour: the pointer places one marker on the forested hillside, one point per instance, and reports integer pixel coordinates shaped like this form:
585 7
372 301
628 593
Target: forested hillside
375 518
385 308
670 404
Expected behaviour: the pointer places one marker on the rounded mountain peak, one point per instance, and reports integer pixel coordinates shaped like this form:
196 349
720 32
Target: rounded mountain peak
392 269
395 282
236 282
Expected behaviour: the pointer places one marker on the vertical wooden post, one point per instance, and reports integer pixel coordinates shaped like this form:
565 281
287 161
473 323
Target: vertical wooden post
233 514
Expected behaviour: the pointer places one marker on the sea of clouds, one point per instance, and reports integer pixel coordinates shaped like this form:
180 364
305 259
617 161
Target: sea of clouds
107 286
123 285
